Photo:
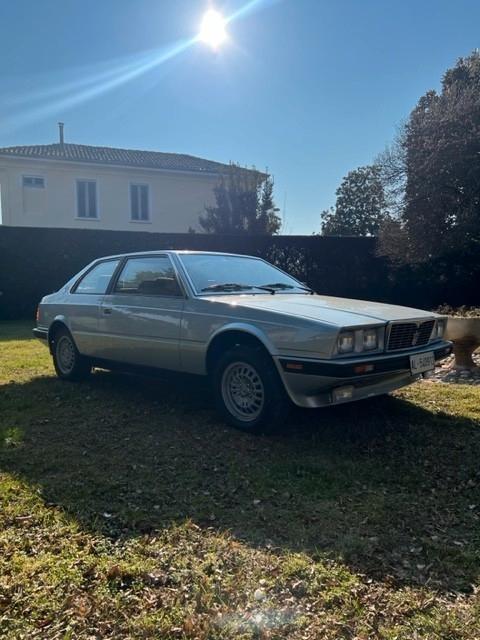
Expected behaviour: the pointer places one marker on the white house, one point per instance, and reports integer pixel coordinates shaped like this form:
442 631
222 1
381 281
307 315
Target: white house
78 186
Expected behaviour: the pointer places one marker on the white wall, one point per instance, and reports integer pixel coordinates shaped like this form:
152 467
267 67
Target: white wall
176 199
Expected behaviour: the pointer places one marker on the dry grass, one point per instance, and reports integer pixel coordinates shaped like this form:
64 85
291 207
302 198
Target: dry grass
128 511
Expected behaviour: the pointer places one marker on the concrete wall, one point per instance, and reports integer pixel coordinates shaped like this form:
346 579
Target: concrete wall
176 199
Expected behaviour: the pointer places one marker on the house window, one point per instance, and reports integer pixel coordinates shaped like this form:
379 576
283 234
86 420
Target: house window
139 203
33 182
33 195
87 199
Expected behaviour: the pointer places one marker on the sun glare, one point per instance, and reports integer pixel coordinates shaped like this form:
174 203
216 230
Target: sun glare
212 29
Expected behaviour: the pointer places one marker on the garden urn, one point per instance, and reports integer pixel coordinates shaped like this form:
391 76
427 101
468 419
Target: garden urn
465 334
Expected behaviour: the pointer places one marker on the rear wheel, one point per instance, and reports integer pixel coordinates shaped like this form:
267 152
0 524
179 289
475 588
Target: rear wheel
68 362
248 391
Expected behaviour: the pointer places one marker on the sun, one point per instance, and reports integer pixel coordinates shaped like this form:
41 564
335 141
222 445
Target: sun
212 29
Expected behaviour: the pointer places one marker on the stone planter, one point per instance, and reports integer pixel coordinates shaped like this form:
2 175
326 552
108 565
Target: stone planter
465 334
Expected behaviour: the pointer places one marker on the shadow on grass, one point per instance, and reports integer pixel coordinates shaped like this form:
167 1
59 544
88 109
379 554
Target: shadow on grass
390 488
16 330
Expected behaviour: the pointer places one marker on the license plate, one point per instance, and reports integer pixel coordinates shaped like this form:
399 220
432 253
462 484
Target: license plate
422 362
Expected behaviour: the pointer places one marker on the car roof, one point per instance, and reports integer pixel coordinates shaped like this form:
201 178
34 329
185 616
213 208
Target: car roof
176 252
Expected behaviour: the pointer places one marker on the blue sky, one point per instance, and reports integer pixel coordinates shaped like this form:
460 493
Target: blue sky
308 88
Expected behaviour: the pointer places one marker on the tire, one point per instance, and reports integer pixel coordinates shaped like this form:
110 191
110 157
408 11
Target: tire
248 391
68 362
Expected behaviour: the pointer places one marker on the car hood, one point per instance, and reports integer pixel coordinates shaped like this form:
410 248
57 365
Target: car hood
337 311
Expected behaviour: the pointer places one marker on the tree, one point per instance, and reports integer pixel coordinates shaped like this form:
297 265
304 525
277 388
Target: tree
391 164
361 205
268 220
392 237
243 204
440 212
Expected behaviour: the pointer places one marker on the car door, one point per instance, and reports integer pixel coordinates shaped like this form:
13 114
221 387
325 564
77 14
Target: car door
141 315
82 306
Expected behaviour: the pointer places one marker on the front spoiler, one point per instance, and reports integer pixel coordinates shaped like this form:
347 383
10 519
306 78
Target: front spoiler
310 383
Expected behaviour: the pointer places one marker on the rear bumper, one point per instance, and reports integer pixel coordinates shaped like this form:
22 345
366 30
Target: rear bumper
316 383
41 334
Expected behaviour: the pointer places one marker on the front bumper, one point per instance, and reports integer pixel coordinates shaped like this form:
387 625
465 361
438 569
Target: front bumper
312 383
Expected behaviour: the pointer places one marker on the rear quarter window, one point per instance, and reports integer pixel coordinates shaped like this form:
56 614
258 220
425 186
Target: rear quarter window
96 280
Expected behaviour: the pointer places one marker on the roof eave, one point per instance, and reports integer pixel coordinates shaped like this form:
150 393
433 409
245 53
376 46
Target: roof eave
113 165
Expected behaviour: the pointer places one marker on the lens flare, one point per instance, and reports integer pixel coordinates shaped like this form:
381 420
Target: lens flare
55 96
212 29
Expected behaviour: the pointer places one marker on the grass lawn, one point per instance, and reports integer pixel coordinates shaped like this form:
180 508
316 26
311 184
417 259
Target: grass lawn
127 510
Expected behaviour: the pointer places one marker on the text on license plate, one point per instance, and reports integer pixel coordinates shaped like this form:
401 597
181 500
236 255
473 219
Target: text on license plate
422 362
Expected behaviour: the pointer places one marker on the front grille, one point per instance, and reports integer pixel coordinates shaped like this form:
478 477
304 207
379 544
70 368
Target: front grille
409 334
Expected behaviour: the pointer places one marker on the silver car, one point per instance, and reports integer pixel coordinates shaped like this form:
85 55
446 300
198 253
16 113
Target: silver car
263 338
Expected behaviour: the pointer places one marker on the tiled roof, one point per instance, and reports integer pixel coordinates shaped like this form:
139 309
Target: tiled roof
111 156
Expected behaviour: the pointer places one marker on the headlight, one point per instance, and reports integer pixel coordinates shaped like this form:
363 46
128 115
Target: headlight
440 328
346 341
370 339
359 340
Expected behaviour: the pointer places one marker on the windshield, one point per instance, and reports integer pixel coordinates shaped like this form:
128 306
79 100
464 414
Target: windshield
221 273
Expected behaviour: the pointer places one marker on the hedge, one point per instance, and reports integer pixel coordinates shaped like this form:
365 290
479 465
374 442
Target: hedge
37 261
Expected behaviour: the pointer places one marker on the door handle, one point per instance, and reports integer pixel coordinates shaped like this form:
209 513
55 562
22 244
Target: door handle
107 311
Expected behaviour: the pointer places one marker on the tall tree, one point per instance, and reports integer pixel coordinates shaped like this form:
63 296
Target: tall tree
361 205
267 220
442 208
392 168
439 154
243 204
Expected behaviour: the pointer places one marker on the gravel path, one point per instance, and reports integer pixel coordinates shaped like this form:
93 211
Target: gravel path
444 372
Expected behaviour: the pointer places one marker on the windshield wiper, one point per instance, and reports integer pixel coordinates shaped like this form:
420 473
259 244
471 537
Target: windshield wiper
235 286
283 285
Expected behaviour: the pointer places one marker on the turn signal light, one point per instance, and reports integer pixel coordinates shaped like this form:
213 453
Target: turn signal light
364 368
295 366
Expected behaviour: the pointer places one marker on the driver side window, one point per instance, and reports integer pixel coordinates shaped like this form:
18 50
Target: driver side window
148 276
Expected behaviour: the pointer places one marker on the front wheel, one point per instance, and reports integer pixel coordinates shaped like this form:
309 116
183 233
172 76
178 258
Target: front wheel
248 391
68 362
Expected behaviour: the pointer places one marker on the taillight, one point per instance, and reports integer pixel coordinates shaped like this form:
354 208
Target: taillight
37 315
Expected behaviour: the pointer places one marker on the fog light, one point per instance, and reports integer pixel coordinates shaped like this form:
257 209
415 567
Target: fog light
342 393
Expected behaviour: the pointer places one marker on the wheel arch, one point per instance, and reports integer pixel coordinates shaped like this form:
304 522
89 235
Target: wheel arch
231 335
59 322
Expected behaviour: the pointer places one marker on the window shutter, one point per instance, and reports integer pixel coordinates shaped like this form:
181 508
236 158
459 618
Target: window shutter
92 200
134 201
82 210
144 202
